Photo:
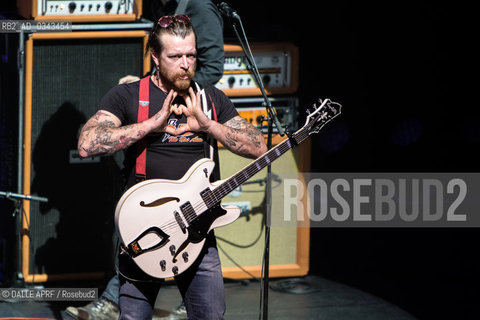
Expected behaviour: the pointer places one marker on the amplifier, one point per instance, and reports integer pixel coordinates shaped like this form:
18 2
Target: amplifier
80 10
66 74
254 111
277 64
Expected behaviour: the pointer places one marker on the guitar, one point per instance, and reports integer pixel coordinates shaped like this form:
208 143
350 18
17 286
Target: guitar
162 224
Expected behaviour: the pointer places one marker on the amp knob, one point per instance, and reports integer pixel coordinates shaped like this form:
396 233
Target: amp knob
108 6
72 6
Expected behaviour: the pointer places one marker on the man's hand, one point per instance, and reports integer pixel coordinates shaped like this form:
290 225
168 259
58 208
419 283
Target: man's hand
159 122
196 119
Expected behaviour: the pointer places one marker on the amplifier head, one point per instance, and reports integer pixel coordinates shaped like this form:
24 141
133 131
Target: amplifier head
80 10
277 64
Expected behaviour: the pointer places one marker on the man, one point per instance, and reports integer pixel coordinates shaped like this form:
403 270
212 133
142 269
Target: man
208 25
176 132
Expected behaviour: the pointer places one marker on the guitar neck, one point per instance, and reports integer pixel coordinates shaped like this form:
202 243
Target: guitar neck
262 162
315 122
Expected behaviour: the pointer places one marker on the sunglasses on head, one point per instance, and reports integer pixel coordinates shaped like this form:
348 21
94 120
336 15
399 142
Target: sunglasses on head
166 21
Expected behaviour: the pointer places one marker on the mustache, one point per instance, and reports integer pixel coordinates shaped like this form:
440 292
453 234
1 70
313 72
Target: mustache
188 73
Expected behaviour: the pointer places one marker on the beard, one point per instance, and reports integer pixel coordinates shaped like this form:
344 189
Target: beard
180 81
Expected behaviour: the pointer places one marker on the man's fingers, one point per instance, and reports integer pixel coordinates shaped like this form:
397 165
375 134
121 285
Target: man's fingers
175 131
175 109
191 93
170 97
183 109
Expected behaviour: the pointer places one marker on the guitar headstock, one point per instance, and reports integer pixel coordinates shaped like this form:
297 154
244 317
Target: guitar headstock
321 112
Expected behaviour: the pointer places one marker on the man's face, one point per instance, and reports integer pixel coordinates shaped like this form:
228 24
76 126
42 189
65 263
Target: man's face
177 61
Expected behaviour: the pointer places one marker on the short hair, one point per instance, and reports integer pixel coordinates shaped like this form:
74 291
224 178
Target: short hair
176 27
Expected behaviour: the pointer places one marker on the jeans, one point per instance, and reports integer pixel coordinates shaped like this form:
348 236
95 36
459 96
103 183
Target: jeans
111 291
201 287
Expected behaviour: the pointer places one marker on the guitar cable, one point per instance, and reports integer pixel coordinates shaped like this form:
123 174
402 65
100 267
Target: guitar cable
120 273
236 263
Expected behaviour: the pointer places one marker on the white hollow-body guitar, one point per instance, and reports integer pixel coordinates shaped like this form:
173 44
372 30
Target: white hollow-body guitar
162 224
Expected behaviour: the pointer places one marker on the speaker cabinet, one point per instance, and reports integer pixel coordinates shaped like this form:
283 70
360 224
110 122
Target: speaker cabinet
242 243
66 74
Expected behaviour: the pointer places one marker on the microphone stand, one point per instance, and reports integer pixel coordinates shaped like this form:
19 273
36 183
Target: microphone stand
17 199
12 196
272 118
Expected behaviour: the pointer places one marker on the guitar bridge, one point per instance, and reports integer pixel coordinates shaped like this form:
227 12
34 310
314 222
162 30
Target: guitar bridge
180 222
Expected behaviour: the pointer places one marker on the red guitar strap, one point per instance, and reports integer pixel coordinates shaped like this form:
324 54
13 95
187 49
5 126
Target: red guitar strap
143 107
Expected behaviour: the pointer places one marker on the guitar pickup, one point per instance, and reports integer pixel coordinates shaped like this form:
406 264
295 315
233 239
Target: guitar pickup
188 212
208 197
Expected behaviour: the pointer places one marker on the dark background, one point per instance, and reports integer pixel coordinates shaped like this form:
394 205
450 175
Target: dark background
404 73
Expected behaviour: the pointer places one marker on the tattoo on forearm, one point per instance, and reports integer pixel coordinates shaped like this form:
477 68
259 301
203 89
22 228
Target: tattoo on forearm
240 127
103 141
254 136
231 140
237 123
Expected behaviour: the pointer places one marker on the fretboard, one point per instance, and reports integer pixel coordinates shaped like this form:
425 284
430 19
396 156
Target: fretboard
249 171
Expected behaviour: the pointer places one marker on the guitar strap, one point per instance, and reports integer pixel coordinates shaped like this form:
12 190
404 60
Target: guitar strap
143 109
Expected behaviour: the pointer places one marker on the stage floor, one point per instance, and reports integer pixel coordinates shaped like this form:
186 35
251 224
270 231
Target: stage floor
309 297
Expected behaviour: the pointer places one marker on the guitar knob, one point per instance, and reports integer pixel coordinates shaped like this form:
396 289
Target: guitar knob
175 270
185 257
163 265
172 249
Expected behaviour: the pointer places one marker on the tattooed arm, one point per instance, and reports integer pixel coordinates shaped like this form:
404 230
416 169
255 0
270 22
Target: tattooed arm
103 133
240 137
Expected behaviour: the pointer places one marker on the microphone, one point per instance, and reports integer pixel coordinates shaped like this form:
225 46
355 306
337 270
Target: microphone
227 11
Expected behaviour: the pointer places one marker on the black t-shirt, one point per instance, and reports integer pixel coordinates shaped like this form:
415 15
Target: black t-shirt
168 157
